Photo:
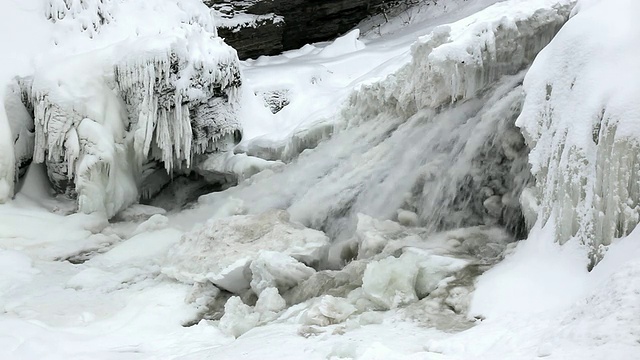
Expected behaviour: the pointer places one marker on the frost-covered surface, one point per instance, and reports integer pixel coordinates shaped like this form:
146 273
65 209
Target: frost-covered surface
581 121
76 286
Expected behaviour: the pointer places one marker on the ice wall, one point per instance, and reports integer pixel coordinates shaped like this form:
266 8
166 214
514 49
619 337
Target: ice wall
148 85
581 119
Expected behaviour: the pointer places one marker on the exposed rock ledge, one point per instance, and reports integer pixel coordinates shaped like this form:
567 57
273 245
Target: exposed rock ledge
268 27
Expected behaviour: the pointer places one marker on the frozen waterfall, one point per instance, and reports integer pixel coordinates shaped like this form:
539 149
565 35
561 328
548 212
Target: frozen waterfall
420 141
122 101
417 187
580 118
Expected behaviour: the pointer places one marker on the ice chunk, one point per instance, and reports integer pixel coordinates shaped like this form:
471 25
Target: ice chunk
223 249
7 159
238 317
139 212
154 223
390 282
580 119
270 300
241 166
333 282
274 269
433 269
328 310
373 235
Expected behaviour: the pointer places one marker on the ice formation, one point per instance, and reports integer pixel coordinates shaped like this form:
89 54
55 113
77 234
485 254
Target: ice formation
110 109
7 162
181 91
580 119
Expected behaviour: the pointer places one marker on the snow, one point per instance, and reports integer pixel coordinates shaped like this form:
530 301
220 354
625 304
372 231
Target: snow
375 212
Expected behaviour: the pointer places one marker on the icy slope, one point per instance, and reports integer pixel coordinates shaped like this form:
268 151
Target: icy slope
581 118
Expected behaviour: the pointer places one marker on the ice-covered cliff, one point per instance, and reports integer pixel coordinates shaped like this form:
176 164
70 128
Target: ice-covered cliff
118 95
581 121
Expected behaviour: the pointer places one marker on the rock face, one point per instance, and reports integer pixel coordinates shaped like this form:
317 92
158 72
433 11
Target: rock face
268 27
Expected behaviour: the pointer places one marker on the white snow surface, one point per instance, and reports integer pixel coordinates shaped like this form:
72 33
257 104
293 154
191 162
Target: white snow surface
74 286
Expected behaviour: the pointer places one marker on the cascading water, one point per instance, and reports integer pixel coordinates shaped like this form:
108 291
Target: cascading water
437 138
433 147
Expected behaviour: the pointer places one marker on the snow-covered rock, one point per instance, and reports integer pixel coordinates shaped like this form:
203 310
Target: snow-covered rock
222 251
328 310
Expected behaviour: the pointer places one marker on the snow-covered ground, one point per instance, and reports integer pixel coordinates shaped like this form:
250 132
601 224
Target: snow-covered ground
343 248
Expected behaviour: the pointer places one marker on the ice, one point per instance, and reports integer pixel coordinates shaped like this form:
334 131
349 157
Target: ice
328 310
239 166
155 222
365 165
270 300
110 104
238 317
272 269
222 250
139 212
581 123
169 81
417 202
7 159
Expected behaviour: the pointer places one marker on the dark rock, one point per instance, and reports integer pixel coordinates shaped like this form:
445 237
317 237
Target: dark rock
280 25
